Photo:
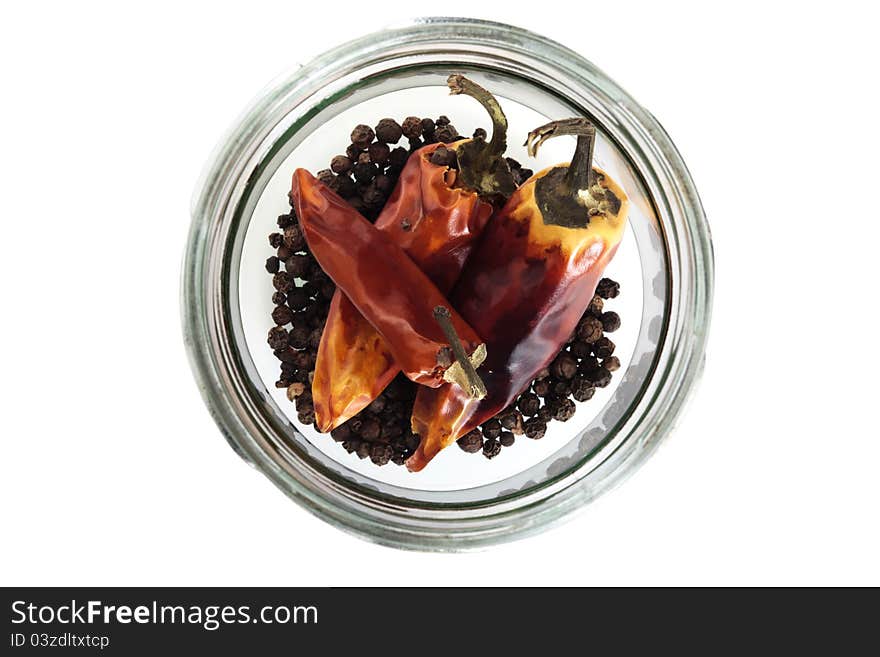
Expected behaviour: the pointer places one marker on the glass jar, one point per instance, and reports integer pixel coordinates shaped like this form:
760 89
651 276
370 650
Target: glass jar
673 274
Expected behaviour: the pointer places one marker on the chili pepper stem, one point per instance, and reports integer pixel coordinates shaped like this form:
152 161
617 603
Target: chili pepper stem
481 165
580 171
458 84
473 383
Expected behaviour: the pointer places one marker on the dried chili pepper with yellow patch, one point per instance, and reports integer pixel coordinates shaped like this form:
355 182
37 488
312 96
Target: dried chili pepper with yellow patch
527 284
435 214
387 288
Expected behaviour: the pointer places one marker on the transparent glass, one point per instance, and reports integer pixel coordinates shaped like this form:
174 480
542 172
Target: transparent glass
669 264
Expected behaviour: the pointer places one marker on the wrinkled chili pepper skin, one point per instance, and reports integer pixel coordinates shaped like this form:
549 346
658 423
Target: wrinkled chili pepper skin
437 226
524 290
382 282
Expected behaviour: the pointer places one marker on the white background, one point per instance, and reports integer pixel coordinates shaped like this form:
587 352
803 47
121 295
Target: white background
112 472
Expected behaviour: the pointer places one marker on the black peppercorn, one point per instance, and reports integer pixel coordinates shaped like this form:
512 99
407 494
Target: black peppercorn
588 364
310 288
589 329
325 176
398 158
304 403
370 429
299 337
412 127
362 136
341 164
603 348
282 315
428 126
491 448
294 238
388 131
302 360
471 442
541 388
284 220
442 120
512 420
379 153
277 338
444 157
480 133
341 433
380 454
506 439
363 449
608 289
529 403
278 298
582 389
534 428
564 410
373 197
273 264
595 307
285 355
391 430
560 388
564 366
612 363
297 299
344 186
446 134
580 349
364 172
352 153
351 445
600 378
383 183
492 428
297 265
610 321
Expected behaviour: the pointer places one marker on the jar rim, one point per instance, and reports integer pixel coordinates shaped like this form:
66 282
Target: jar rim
213 363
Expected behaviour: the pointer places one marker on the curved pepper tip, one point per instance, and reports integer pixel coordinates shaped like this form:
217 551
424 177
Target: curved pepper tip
417 461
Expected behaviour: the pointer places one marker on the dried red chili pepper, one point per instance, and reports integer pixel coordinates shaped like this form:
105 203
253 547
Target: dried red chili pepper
385 286
435 214
527 284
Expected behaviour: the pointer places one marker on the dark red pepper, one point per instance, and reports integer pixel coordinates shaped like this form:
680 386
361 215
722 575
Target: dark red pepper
382 282
435 214
527 284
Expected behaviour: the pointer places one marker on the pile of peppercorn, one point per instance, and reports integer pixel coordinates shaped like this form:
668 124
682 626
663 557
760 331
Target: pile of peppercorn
365 177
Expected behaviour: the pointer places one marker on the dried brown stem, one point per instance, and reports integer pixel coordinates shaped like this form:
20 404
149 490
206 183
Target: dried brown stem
475 387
